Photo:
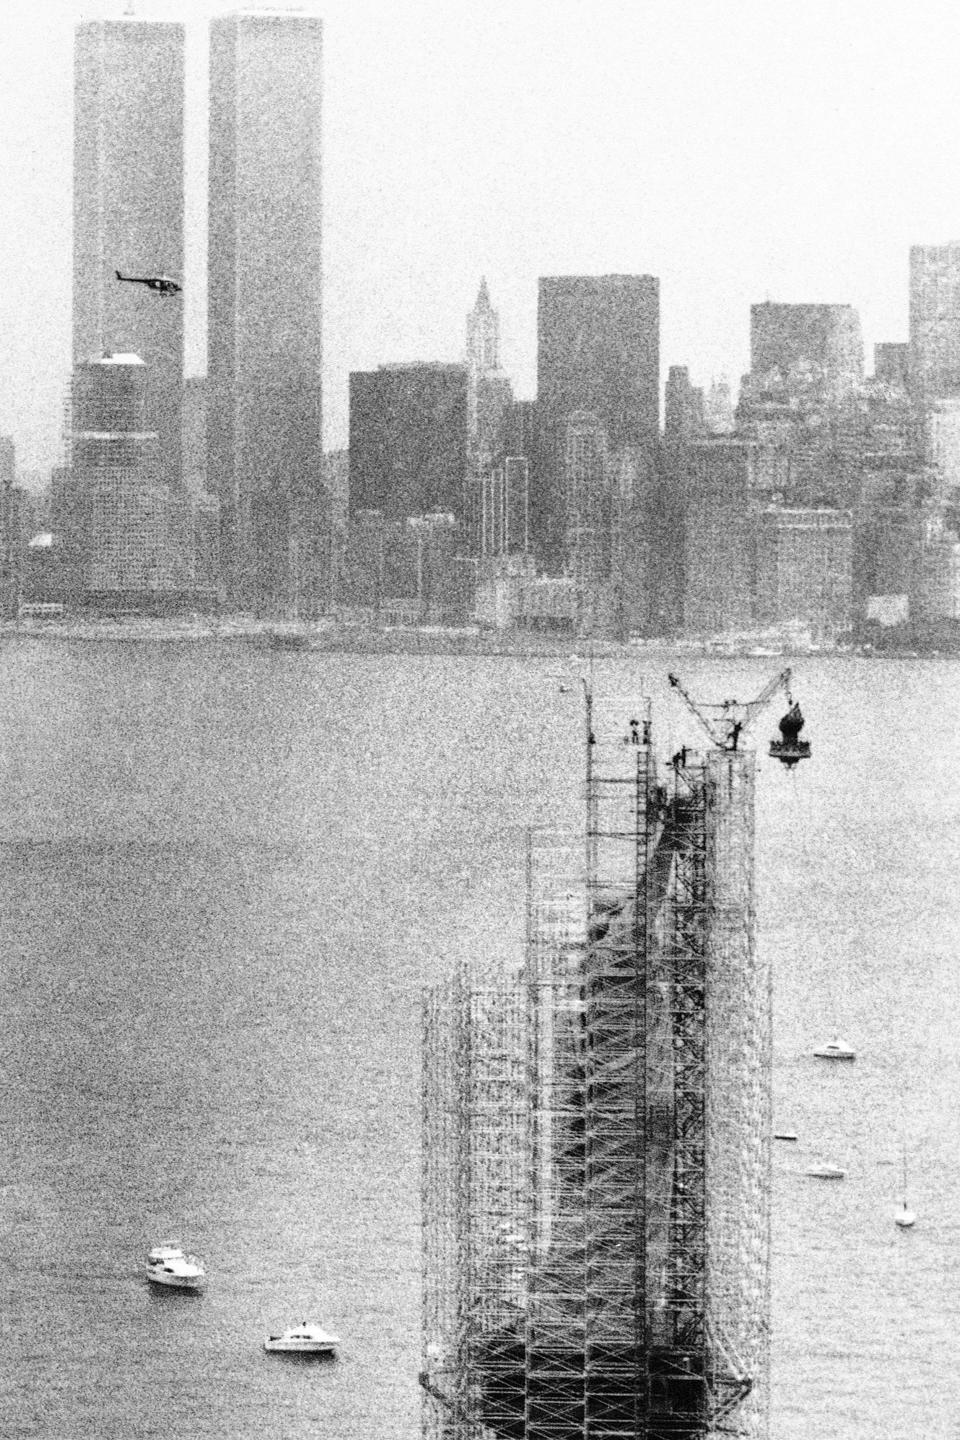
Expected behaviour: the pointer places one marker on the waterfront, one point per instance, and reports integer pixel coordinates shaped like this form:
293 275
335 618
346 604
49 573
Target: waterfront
227 873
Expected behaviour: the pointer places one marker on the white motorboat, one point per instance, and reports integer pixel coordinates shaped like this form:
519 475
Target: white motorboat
825 1172
168 1265
303 1339
835 1050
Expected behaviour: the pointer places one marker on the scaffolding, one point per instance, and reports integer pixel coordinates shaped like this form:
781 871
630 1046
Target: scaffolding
596 1126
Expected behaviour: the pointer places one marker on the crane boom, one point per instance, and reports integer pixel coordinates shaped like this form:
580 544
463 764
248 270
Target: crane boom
735 718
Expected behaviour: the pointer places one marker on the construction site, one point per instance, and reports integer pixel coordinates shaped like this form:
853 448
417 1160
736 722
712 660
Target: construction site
597 1118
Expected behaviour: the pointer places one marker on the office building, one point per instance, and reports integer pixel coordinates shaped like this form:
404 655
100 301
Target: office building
129 541
526 436
935 318
117 518
483 338
489 393
719 556
587 498
128 209
408 440
718 409
683 412
265 455
598 350
891 363
195 434
822 343
804 570
9 529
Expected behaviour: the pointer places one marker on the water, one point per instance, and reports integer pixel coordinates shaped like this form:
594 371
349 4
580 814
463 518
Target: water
226 876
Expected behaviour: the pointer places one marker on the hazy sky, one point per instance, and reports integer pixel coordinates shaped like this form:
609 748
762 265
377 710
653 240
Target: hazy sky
741 150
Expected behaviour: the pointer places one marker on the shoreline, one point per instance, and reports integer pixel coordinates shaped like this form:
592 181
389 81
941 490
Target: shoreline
467 641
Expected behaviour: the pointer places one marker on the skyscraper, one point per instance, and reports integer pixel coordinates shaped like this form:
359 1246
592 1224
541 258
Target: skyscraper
489 393
408 440
598 350
824 341
935 318
9 547
264 317
683 418
128 208
483 335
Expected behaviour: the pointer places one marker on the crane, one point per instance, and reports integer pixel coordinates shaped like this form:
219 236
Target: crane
736 718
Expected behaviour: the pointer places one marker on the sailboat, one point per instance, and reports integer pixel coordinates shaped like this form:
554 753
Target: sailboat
904 1216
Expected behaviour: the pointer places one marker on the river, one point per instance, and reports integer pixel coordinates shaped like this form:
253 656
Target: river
226 875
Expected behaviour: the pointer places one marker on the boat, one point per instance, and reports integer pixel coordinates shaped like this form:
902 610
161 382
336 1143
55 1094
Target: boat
303 1339
825 1172
835 1050
904 1216
168 1265
785 1135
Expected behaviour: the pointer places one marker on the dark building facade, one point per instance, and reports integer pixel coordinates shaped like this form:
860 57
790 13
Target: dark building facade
824 339
805 570
598 350
10 538
408 440
891 363
683 420
720 537
524 436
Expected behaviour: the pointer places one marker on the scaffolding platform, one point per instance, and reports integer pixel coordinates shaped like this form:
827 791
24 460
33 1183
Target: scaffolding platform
597 1121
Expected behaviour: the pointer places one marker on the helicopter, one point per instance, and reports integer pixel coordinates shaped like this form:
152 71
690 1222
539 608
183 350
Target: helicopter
161 283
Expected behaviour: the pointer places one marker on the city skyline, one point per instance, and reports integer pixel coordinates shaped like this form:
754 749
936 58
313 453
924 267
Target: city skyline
739 154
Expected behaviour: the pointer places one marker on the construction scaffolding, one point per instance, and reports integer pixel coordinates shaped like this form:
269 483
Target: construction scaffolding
596 1126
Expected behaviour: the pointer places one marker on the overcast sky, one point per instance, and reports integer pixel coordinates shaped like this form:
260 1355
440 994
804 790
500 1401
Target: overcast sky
741 150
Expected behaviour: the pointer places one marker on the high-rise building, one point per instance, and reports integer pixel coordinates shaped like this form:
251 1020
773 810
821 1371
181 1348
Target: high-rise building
128 208
483 335
408 440
935 318
823 342
9 538
718 413
891 363
683 408
195 434
524 434
118 510
588 499
129 542
598 350
489 392
719 558
804 570
265 455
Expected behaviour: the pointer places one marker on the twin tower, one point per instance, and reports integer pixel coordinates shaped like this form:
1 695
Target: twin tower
264 285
